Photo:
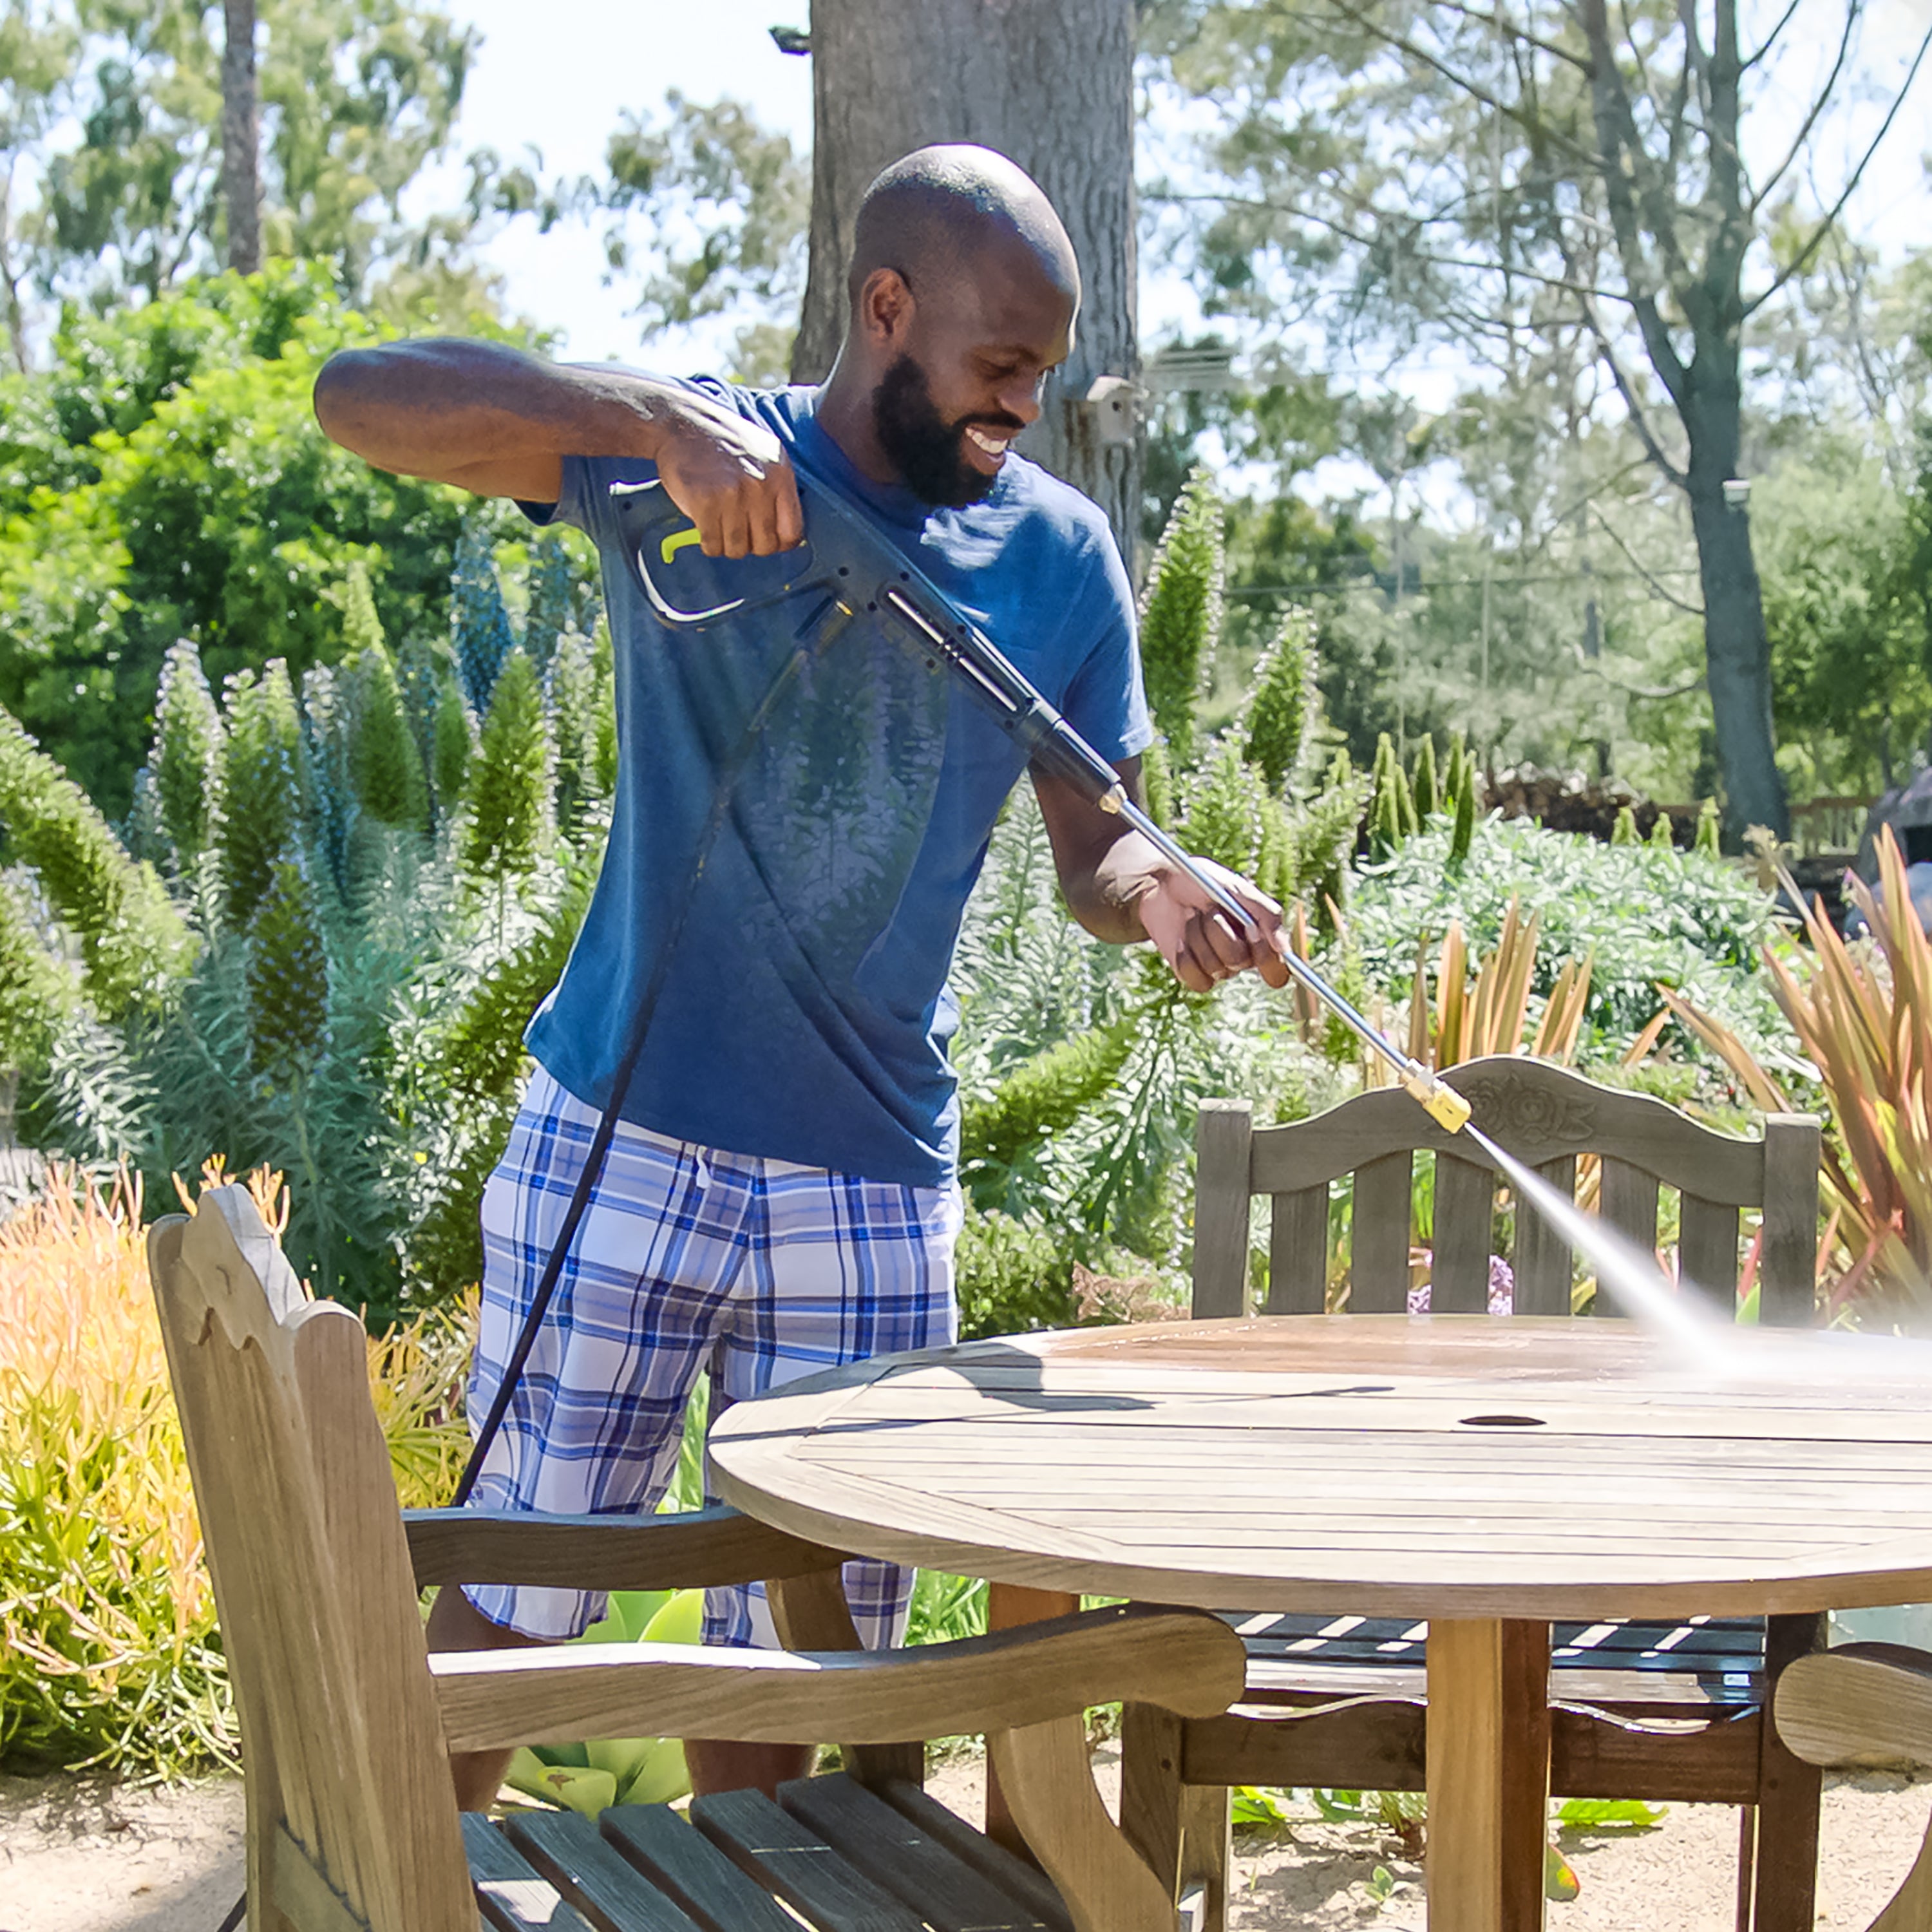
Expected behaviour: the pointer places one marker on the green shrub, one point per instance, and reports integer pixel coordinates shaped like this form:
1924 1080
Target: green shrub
1180 613
510 783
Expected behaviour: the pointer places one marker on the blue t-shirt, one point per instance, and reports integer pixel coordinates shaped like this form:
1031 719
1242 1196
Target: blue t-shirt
805 1015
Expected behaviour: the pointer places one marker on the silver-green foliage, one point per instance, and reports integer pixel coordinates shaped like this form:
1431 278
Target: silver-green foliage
187 759
261 785
509 797
1180 613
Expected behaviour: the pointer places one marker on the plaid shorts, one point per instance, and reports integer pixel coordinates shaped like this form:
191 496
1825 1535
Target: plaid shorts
686 1259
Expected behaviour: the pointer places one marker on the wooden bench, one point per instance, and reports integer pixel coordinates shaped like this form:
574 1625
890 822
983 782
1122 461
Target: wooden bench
347 1721
1865 1704
1665 1711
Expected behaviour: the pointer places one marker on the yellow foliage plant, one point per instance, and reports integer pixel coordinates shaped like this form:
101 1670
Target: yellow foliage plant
109 1654
1862 1013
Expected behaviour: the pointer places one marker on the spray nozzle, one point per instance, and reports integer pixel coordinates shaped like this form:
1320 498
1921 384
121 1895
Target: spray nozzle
1437 1098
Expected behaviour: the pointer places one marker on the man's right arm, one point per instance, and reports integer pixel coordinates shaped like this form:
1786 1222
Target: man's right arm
492 419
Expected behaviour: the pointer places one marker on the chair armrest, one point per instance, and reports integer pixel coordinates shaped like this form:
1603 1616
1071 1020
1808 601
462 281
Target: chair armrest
1862 1703
1183 1660
692 1551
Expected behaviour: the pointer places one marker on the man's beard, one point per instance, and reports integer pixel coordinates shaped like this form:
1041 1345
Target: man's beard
925 447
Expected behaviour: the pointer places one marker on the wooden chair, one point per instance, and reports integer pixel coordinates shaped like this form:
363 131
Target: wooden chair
347 1721
1867 1704
1649 1711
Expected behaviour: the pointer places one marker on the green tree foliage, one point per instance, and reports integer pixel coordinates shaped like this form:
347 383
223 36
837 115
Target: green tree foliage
712 171
187 751
163 479
287 976
1180 613
358 95
509 783
132 940
261 786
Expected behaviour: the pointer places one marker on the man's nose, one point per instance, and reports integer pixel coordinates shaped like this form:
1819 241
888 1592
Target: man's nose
1021 399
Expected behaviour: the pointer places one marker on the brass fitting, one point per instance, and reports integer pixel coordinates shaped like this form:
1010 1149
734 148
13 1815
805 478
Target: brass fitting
1438 1100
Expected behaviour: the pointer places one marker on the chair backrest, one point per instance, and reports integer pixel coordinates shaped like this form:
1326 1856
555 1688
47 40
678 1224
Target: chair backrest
1545 1116
349 1786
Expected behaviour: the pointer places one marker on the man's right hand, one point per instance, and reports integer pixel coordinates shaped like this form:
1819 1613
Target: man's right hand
488 418
730 476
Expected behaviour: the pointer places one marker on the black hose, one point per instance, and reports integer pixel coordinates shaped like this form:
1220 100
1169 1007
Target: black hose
813 636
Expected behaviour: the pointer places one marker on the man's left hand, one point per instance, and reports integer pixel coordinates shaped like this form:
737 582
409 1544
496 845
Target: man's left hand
1200 941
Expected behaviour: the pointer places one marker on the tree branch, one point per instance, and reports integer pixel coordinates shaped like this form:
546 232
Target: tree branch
1515 33
1636 563
1810 120
1647 692
1776 33
1639 420
1802 260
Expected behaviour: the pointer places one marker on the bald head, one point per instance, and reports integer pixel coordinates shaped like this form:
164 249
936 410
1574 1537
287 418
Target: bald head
941 211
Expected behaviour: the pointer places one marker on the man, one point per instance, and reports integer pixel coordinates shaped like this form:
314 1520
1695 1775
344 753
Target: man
780 1196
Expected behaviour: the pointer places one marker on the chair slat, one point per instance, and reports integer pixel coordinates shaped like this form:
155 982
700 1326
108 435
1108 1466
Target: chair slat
1543 1263
884 1844
797 1864
1014 1876
1707 1252
1378 1273
1787 1267
1630 1203
512 1895
566 1848
1465 1212
690 1871
1224 1132
1298 1253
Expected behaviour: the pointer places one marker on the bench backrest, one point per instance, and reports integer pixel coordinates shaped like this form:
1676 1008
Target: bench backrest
348 1785
1547 1118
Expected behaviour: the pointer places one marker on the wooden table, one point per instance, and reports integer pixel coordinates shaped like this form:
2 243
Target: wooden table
1488 1475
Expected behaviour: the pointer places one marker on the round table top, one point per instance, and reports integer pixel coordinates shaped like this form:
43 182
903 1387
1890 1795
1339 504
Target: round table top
1383 1464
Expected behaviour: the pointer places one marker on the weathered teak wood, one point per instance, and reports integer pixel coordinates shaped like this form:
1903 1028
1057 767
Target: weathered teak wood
691 1551
1866 1704
1488 1774
1417 1469
1547 1118
347 1721
1221 1211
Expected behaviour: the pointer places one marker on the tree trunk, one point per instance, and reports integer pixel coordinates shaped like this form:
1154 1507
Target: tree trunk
1049 83
1737 648
241 139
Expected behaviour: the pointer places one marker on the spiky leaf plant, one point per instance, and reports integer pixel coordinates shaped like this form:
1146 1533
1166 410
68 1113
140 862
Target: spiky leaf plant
1180 613
36 992
1663 833
384 764
288 977
1707 840
187 758
453 743
1462 835
1041 1097
483 637
261 786
547 613
133 942
1226 811
327 787
1281 709
605 762
1424 787
509 787
571 689
1623 828
362 628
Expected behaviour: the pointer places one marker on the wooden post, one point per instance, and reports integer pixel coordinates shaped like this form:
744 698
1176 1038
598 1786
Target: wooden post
1489 1773
1008 1604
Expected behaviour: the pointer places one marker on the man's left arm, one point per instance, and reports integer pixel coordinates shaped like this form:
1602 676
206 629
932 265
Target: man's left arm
1122 890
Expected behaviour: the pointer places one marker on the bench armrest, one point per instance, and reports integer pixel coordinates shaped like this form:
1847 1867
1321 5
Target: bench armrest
1185 1661
1861 1703
692 1551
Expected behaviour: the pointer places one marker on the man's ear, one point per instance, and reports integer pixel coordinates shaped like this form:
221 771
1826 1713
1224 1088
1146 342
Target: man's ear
886 308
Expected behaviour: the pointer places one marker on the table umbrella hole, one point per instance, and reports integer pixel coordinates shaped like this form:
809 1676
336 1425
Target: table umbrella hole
1502 1422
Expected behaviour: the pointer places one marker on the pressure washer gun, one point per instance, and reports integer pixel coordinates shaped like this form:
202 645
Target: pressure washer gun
846 566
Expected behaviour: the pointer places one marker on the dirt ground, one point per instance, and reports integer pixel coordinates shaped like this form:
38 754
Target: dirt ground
81 1856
